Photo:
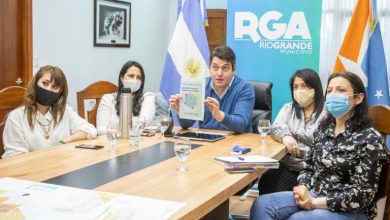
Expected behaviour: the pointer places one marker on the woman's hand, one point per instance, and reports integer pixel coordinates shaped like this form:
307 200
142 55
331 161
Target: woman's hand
304 204
302 191
303 198
77 136
292 146
174 101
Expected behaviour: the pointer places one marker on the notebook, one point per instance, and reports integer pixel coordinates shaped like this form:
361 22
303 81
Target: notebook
257 161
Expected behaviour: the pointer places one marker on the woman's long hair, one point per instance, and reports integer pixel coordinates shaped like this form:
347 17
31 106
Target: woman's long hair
57 109
138 96
359 119
311 78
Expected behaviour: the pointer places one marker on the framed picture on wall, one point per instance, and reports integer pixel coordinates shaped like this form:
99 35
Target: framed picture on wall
112 23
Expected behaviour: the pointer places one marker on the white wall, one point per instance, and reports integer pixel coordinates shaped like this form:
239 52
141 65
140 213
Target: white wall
63 36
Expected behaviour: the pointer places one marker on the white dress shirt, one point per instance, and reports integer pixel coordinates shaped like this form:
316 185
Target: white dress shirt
19 138
224 91
106 114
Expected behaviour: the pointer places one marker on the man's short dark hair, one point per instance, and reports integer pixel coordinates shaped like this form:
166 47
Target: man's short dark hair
224 53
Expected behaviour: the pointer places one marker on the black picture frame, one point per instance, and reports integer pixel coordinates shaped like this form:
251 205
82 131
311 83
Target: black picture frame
112 23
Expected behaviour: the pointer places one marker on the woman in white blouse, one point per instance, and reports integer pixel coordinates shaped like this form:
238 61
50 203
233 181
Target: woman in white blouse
44 119
294 127
131 76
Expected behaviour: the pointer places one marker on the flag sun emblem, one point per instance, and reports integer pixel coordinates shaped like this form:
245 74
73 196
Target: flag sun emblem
193 67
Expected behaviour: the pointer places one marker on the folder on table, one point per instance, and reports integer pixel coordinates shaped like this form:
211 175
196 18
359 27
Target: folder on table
250 161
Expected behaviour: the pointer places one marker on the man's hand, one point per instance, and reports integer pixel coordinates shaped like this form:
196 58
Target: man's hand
292 146
174 101
213 106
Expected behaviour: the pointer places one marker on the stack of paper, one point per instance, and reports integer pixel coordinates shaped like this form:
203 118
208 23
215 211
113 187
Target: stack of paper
250 161
20 199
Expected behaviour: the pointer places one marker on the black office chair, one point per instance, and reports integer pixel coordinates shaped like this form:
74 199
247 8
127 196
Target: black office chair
263 102
261 110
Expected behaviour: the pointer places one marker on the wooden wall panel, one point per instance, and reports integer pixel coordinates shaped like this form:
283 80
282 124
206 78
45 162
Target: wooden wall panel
15 42
216 31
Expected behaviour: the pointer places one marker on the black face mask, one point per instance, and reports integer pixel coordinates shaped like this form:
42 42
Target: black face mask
46 97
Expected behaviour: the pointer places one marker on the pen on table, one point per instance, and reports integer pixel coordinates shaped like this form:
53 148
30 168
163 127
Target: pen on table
241 158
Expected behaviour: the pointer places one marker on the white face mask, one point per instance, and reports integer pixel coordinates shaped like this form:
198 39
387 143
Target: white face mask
132 84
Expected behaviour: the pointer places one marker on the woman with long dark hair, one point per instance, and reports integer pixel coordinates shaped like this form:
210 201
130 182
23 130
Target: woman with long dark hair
131 76
342 168
294 127
44 119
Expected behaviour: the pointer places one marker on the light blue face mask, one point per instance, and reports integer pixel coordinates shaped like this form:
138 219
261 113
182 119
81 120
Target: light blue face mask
337 104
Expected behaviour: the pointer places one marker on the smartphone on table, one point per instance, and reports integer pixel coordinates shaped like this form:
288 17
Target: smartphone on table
147 133
90 146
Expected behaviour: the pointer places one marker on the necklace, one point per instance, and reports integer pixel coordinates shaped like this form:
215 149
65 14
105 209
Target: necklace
45 127
307 119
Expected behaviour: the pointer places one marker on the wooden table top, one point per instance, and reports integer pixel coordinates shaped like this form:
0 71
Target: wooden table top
202 188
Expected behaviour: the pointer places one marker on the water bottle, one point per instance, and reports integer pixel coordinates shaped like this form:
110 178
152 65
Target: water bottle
125 112
134 133
168 132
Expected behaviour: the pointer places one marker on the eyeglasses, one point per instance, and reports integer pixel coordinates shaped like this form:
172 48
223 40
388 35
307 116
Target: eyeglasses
224 68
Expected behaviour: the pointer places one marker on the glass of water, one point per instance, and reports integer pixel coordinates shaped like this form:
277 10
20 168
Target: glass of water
163 124
112 135
264 127
135 132
182 151
141 123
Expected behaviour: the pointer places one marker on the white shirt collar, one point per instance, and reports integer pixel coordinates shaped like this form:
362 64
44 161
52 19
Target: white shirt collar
226 89
45 119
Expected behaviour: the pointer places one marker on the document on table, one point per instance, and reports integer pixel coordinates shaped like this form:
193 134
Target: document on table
20 199
191 104
245 160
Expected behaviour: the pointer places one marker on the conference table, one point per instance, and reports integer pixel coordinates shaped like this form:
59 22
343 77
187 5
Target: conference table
148 170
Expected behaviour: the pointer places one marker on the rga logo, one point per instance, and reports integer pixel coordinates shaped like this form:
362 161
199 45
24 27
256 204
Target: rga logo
291 38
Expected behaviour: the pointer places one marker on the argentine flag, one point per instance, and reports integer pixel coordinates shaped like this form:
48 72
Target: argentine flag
362 52
188 51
